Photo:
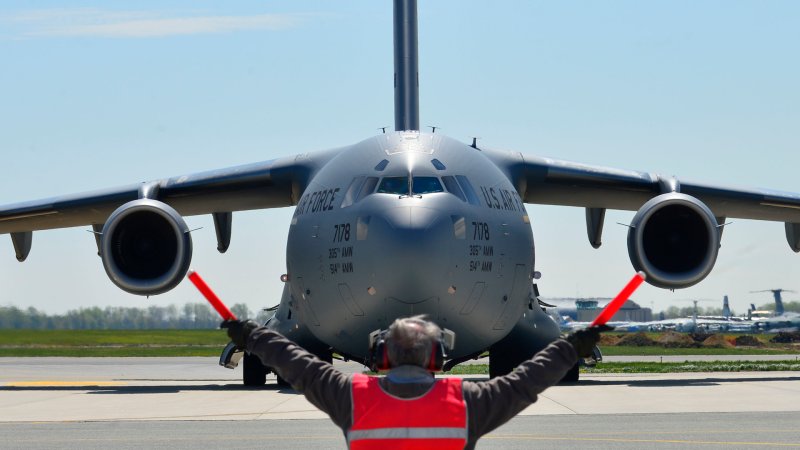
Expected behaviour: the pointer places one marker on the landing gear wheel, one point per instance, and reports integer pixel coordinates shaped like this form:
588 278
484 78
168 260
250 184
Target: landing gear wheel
253 372
572 375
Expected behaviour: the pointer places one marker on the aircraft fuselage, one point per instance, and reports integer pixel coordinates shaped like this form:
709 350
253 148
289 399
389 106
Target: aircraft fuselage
410 223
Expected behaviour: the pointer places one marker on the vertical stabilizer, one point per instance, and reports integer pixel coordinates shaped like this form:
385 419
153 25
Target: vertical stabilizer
726 309
406 66
778 301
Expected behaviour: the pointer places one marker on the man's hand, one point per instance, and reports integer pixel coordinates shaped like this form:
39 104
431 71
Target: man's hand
585 339
239 331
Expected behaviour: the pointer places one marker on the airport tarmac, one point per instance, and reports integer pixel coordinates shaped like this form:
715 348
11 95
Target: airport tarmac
194 403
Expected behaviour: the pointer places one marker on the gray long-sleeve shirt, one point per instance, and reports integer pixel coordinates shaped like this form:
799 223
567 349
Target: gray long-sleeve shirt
489 403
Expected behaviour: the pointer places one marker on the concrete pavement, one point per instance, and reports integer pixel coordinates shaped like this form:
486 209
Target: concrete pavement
193 403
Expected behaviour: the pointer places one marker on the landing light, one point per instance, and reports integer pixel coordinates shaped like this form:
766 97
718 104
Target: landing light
451 290
371 290
284 278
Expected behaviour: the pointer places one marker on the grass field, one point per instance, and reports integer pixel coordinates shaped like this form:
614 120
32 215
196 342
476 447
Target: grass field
655 367
661 351
127 343
112 342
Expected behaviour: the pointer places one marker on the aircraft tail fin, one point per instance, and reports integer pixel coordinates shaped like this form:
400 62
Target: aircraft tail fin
406 66
726 309
778 302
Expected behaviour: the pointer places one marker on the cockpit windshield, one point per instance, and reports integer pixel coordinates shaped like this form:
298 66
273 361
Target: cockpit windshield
420 185
426 185
393 185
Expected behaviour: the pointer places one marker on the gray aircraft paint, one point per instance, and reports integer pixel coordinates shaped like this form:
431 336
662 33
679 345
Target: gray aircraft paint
418 254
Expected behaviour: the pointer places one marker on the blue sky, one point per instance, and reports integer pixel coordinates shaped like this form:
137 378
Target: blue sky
98 94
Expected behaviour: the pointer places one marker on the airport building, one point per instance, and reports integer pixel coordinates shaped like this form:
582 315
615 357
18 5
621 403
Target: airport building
586 309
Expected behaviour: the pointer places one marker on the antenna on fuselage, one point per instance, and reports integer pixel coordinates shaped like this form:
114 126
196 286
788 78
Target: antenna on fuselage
406 66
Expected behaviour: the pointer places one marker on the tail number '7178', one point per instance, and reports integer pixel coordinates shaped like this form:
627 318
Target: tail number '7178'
341 232
480 231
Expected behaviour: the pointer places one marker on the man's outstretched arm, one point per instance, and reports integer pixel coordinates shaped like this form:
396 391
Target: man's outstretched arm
325 387
492 403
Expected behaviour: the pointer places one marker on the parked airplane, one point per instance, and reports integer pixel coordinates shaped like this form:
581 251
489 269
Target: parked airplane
752 323
726 322
776 295
406 222
789 321
780 320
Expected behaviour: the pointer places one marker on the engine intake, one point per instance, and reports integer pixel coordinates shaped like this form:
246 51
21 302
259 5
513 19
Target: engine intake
674 239
146 247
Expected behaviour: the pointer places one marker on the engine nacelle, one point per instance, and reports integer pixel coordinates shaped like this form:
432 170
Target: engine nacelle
146 247
674 238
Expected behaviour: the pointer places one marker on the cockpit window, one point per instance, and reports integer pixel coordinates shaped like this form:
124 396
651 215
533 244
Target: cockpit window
420 185
394 185
382 165
352 190
452 187
367 188
469 191
427 185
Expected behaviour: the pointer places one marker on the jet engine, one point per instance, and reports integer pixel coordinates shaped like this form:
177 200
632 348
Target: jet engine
146 247
674 238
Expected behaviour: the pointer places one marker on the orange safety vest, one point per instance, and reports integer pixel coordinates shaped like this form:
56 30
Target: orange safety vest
437 420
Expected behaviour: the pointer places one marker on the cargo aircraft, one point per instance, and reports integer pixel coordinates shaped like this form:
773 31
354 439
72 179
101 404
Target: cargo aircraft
405 222
781 320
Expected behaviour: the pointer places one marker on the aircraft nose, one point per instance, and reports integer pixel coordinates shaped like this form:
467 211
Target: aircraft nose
414 256
406 219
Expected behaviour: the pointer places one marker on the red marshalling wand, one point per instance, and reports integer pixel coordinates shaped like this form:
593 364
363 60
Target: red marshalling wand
210 296
619 300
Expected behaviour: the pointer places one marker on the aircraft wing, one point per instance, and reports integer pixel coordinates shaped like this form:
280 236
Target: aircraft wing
269 184
556 182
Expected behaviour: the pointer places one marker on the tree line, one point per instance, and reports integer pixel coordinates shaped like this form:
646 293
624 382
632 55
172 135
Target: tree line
189 316
201 316
677 312
787 306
